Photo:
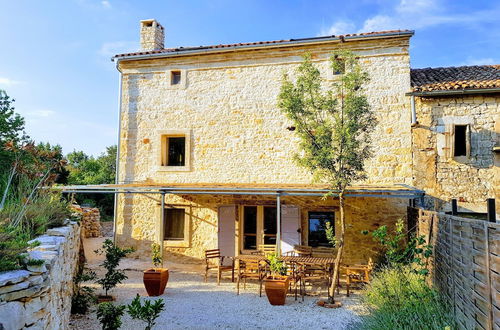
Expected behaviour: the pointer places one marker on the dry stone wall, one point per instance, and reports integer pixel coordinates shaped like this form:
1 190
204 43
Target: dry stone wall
90 220
40 297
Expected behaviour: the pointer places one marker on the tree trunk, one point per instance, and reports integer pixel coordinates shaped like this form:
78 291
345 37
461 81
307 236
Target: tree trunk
340 245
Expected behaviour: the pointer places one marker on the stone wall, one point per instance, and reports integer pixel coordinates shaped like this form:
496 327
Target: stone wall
40 297
90 220
444 177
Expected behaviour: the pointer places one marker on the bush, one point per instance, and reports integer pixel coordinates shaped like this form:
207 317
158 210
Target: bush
113 255
84 296
399 298
110 315
148 312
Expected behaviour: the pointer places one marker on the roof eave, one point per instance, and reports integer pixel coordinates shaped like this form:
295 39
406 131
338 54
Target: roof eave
465 91
297 42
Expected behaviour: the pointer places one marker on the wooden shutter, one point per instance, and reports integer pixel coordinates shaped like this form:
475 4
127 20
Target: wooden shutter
467 141
290 227
226 230
450 141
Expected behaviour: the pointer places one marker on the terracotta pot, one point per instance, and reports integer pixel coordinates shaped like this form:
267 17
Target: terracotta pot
155 281
103 298
276 289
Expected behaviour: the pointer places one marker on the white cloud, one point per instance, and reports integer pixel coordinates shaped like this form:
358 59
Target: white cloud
106 4
41 113
8 82
416 14
109 49
479 61
338 28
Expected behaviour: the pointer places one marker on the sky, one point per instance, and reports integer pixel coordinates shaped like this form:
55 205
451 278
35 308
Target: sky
55 55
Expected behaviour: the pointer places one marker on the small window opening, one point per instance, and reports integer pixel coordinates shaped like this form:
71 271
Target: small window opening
460 142
175 77
176 151
174 222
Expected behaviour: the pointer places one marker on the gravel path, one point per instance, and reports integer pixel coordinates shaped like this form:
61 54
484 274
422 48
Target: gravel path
192 304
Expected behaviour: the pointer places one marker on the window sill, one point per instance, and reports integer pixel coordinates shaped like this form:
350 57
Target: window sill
176 243
173 168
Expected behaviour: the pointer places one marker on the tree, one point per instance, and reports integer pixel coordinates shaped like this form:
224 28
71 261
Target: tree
334 127
148 312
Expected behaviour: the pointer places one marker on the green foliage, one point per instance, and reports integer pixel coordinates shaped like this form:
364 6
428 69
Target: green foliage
11 130
330 234
333 124
34 262
84 296
156 254
113 256
148 312
110 315
397 250
276 266
398 298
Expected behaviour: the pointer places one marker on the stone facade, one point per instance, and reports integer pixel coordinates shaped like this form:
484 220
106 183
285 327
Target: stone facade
226 105
471 180
40 297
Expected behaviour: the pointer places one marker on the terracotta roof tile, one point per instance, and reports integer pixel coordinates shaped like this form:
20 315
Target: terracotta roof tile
455 78
259 43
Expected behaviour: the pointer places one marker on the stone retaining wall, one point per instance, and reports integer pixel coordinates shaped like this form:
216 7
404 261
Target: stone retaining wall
91 221
40 297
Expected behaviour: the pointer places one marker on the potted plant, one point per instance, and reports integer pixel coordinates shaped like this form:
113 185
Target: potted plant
277 284
110 315
155 279
148 312
113 275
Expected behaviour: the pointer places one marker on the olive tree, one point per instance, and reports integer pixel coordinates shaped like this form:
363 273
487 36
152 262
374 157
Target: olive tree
334 122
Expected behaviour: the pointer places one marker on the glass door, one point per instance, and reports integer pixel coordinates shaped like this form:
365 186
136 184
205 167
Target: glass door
250 228
269 226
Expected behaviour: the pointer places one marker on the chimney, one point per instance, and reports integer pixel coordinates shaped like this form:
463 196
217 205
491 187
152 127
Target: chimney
152 35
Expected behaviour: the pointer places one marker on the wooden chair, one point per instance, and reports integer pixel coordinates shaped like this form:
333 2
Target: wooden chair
295 271
213 260
315 273
265 249
358 274
301 251
252 269
323 252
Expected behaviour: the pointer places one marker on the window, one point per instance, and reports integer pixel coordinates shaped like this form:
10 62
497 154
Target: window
176 151
250 227
174 224
317 228
460 140
175 77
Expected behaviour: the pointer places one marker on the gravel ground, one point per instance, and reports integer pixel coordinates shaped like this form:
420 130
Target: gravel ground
192 304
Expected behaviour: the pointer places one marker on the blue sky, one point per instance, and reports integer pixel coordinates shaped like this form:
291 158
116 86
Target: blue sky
55 55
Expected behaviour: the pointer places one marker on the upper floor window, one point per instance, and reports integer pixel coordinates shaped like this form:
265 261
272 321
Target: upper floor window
175 150
460 140
175 77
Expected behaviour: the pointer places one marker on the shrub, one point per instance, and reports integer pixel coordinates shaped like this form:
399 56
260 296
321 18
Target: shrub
148 312
113 255
156 257
276 265
84 296
110 315
399 298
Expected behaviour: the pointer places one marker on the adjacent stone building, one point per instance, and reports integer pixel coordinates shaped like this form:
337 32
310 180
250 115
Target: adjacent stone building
201 127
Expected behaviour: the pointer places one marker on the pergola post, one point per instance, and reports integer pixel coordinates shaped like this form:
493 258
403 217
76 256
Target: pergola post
162 225
278 223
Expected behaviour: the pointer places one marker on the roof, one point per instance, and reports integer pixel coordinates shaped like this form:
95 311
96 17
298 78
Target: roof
456 78
395 190
273 43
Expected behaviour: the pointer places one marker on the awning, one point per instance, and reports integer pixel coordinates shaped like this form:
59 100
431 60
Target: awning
380 191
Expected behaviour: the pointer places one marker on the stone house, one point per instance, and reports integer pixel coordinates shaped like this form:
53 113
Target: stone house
210 156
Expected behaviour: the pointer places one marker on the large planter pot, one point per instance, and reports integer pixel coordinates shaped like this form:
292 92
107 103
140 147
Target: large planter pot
103 298
276 289
155 280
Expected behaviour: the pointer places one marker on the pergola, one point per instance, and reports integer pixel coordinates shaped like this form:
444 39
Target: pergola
270 190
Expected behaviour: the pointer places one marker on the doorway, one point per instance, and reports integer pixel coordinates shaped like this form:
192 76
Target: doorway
259 227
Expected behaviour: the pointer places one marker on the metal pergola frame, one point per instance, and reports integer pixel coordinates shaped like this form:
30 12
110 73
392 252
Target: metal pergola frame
397 191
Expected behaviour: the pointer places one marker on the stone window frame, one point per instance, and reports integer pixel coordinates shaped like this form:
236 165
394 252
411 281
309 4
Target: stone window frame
183 82
177 243
450 138
162 136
